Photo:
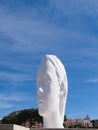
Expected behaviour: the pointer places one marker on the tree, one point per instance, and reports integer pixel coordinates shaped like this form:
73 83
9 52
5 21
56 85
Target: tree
9 119
65 118
22 116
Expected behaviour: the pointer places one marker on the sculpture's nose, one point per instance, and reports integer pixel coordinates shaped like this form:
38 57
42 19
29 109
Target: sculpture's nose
40 90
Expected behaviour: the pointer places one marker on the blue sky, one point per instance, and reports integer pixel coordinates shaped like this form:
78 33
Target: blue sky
29 29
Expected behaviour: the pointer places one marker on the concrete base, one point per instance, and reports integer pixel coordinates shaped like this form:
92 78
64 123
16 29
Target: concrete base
17 127
12 127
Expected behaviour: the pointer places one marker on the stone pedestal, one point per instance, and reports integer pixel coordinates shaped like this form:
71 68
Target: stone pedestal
12 127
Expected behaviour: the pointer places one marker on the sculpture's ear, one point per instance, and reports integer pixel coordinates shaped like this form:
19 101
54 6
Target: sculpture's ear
62 90
62 101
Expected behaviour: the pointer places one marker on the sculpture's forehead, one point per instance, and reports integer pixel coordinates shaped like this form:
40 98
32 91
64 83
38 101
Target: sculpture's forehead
46 65
46 69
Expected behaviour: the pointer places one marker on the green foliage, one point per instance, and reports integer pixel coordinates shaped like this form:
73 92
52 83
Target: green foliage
22 116
9 119
65 118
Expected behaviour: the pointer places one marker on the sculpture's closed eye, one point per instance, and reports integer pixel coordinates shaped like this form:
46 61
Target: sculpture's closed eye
48 82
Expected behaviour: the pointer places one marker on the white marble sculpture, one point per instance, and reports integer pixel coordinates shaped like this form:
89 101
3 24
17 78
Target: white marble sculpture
52 90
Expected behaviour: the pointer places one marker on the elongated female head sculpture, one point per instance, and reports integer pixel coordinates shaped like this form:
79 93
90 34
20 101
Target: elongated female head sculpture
52 90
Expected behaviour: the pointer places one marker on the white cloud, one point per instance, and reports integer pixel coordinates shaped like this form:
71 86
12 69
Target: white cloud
69 7
9 100
6 105
14 77
75 114
94 80
16 97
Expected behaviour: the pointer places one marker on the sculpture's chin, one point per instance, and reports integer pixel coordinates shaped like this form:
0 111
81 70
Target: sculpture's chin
42 113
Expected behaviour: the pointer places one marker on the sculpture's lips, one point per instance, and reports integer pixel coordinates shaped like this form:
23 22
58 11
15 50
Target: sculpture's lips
41 102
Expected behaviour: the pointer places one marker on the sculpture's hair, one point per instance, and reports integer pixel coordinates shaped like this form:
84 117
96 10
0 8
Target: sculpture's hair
62 78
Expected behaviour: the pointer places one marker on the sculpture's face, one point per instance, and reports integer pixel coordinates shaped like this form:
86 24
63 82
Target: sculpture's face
47 89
